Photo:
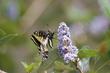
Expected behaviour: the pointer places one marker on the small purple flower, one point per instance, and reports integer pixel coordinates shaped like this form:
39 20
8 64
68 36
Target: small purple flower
65 47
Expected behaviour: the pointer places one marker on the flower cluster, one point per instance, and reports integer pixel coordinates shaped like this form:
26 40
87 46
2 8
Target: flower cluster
65 47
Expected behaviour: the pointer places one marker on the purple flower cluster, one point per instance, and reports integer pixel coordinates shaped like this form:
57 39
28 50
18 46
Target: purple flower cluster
65 47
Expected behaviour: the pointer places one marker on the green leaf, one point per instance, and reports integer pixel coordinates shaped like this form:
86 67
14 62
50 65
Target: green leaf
59 66
86 52
6 38
53 56
24 64
105 6
28 68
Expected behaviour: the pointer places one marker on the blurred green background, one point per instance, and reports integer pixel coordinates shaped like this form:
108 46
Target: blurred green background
88 21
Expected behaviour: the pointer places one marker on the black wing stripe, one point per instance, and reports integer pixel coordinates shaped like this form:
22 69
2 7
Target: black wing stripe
36 41
50 43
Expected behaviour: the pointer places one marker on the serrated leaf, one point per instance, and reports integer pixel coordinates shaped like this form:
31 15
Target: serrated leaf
6 38
86 53
53 56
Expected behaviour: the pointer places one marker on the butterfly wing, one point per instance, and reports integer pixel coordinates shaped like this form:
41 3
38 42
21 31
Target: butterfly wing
40 40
